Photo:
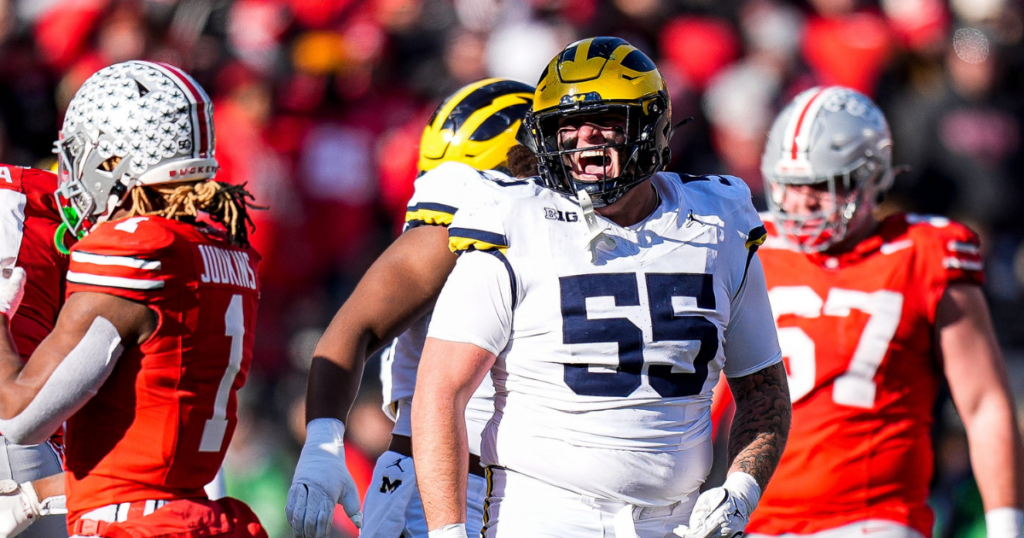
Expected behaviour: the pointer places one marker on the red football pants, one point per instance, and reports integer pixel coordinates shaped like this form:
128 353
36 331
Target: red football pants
185 518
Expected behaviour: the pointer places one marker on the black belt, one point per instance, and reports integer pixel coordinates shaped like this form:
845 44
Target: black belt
402 444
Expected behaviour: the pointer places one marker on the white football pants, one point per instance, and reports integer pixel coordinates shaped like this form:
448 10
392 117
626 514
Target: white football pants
877 528
393 509
518 506
23 463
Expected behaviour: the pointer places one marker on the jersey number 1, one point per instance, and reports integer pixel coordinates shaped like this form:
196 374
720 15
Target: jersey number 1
216 427
662 290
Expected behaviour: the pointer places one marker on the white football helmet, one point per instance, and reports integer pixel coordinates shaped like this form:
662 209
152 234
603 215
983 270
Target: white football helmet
833 136
133 123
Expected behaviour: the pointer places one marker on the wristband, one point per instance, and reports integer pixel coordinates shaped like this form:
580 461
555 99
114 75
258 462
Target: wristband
1004 522
458 530
327 434
744 487
46 507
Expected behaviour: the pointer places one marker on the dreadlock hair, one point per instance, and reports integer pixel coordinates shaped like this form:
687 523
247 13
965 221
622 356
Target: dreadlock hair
226 204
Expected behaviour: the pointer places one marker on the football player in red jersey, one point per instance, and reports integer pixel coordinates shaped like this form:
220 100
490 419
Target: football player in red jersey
873 316
29 224
156 334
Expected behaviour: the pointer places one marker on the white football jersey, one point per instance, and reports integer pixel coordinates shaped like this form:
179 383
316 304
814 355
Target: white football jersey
438 195
606 364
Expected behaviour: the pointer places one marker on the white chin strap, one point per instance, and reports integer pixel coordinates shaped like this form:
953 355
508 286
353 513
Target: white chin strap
596 236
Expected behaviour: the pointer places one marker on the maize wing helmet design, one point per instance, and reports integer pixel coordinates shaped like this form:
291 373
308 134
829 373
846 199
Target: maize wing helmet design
602 75
833 136
476 125
133 123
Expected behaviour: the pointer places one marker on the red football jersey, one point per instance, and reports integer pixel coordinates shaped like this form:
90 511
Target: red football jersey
159 426
29 218
857 335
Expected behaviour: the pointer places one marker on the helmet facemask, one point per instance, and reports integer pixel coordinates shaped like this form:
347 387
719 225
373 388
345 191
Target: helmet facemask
638 155
845 197
90 186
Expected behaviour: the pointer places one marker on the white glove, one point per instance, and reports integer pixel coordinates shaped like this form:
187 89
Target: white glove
457 530
321 481
1004 522
391 491
723 512
12 288
20 507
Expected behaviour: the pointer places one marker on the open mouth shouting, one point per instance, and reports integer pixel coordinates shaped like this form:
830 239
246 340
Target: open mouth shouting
595 164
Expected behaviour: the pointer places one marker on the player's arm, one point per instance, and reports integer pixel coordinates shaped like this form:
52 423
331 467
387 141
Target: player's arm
978 383
91 331
760 426
761 422
470 326
757 379
398 289
449 373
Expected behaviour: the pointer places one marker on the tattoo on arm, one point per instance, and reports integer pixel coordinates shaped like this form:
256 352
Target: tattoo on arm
761 424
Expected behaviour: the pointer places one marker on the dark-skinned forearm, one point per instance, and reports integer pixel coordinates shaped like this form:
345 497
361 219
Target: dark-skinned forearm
340 355
761 423
334 376
398 289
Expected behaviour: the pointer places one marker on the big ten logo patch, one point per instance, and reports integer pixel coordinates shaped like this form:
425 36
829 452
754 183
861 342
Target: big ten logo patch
561 216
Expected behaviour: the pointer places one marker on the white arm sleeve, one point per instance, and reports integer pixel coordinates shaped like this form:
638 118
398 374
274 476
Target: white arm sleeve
475 306
751 342
75 380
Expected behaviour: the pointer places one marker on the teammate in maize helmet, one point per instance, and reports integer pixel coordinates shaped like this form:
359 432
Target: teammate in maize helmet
156 335
604 307
873 317
462 159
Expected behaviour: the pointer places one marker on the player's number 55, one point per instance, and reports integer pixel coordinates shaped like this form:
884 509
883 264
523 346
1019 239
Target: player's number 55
665 325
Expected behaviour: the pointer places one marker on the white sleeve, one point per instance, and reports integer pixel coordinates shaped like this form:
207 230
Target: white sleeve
751 342
73 383
475 306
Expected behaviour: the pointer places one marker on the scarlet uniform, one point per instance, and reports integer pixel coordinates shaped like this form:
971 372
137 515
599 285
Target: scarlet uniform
159 426
28 221
857 334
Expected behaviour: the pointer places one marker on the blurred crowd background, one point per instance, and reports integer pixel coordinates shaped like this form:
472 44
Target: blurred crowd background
319 106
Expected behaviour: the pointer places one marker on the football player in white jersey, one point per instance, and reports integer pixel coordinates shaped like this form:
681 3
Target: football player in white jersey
604 308
469 134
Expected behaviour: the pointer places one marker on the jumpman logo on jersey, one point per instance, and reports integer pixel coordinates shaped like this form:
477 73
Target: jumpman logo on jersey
397 463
